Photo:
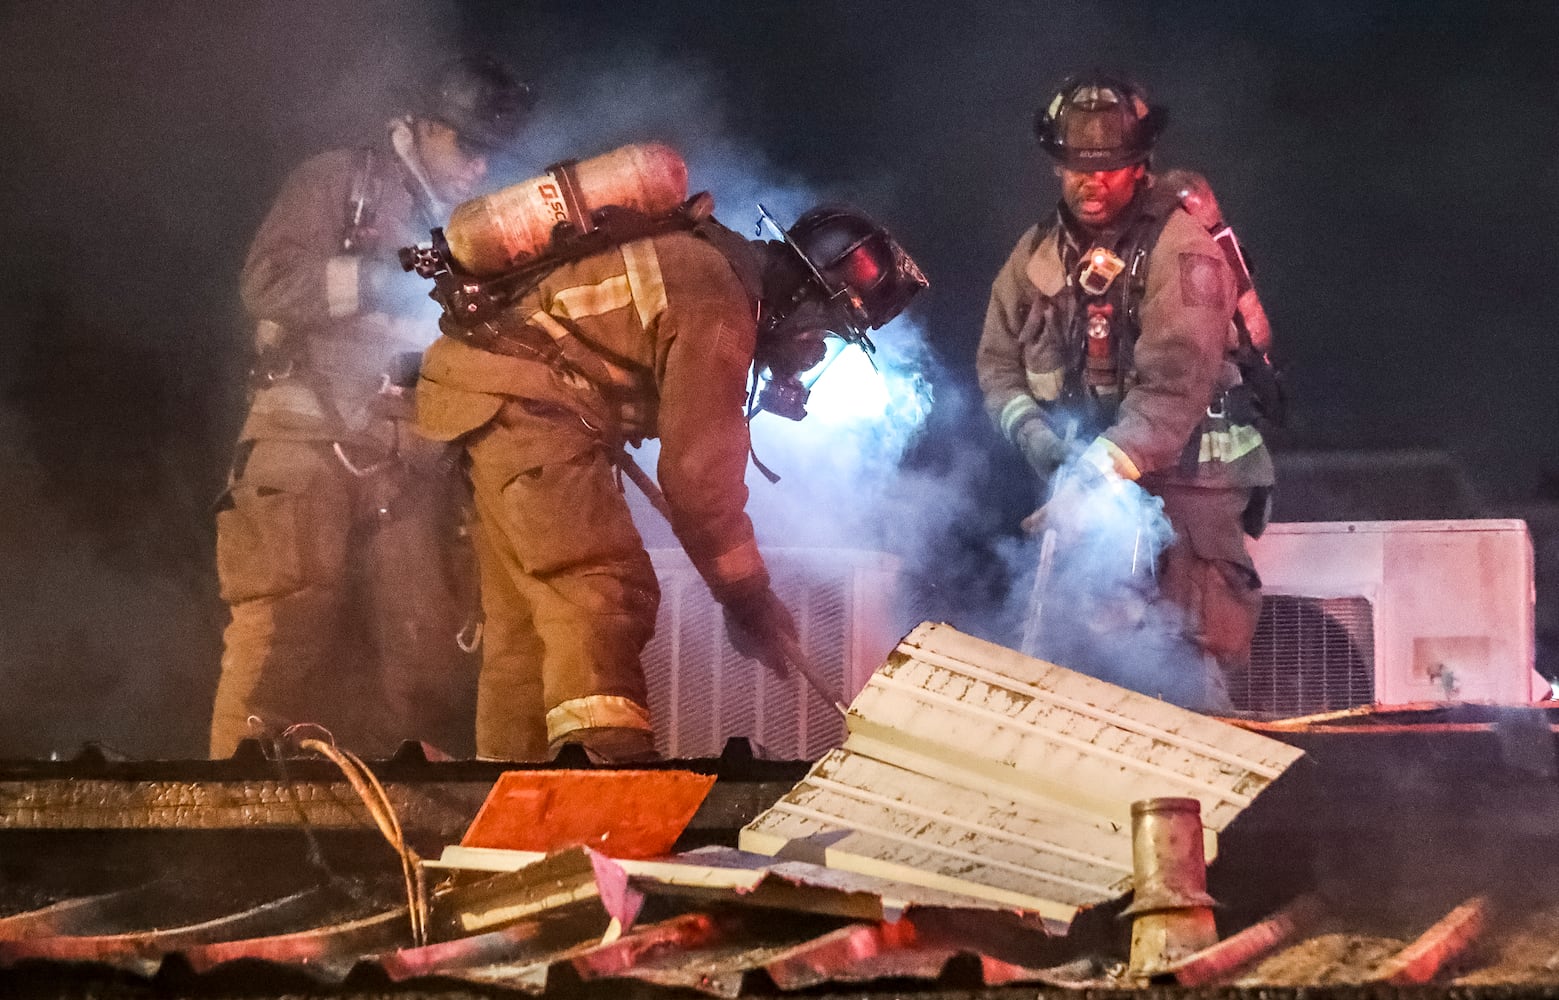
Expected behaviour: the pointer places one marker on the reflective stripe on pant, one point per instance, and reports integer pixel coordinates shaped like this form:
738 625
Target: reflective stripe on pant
568 591
340 614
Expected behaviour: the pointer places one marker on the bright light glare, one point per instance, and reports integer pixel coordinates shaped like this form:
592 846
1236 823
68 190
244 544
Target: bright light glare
850 390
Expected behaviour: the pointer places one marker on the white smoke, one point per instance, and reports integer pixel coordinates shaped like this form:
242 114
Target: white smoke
839 467
1088 595
644 98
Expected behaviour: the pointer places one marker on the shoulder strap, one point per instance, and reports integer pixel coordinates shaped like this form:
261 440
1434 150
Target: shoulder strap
1043 230
739 252
1136 248
1157 209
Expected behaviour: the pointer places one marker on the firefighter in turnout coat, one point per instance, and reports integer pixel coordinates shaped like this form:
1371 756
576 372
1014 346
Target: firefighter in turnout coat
338 522
1106 348
660 333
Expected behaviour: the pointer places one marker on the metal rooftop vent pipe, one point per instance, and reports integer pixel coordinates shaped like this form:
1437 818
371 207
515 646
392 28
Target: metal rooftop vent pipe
1173 916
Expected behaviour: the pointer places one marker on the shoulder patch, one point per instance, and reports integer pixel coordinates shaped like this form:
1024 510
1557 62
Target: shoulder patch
1199 281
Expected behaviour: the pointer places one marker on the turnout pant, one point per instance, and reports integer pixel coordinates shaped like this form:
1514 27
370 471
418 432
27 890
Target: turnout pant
568 592
1207 571
345 598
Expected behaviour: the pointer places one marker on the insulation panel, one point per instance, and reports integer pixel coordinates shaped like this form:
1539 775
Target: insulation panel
973 768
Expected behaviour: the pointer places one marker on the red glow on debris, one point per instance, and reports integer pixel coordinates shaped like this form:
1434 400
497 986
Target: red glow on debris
622 814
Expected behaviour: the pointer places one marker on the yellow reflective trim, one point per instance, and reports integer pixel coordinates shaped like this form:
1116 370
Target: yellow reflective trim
1227 445
1118 459
341 285
555 330
645 281
592 300
1013 413
594 711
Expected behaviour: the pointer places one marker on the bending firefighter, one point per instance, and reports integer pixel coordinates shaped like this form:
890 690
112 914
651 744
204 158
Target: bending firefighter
645 326
336 540
1110 347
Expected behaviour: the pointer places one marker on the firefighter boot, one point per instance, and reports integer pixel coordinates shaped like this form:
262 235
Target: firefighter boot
611 744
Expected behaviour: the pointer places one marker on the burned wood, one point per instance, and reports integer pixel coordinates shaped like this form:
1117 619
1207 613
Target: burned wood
1228 957
1438 947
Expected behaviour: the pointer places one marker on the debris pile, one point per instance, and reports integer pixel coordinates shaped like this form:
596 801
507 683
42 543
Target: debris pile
973 830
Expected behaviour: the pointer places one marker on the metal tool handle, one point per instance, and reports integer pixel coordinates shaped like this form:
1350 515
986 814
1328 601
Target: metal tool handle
1036 607
798 661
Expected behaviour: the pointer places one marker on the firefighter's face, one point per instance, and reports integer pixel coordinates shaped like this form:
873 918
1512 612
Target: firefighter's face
455 170
1096 198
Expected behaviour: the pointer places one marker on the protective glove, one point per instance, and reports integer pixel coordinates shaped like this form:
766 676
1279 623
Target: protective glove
1041 448
1078 490
761 627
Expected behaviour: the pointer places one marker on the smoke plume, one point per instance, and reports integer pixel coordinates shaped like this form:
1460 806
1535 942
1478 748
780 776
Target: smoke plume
844 480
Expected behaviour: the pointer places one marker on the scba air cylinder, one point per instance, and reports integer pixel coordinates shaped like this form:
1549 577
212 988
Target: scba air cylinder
502 230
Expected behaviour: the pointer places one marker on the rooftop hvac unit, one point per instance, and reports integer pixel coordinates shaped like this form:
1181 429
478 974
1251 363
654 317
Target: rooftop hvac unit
702 691
1391 613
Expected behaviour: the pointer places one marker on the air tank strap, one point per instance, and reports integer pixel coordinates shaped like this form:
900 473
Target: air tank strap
361 207
744 255
611 226
529 347
567 177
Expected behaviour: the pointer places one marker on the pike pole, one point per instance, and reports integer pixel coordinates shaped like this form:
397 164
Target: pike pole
795 659
1036 605
798 661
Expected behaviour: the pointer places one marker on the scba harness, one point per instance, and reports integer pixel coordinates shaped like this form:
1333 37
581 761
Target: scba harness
1099 314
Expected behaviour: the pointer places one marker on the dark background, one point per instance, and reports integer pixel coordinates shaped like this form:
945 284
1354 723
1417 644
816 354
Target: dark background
1391 168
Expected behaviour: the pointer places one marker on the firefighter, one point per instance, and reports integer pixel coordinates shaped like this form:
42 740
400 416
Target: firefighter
336 539
1107 350
658 335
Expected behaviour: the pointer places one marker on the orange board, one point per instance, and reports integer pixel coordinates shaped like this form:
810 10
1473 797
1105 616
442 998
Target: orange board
622 814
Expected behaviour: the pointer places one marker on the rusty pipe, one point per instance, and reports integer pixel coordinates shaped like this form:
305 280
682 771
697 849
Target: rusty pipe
1171 910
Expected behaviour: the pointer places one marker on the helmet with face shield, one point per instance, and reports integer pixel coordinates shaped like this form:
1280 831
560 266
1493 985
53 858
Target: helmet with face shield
853 276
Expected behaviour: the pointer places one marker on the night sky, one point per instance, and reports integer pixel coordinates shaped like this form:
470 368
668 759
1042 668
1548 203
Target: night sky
1391 167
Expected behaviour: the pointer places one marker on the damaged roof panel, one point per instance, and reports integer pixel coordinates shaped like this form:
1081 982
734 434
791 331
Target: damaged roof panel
915 827
974 768
722 875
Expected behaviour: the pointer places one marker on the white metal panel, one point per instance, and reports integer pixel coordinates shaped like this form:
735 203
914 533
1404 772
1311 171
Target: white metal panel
1453 600
702 691
1320 560
972 765
712 870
